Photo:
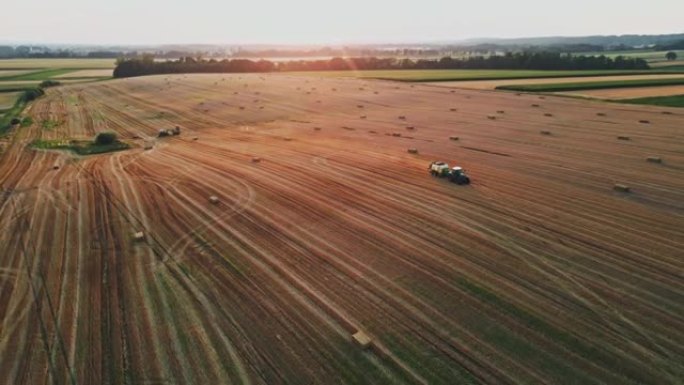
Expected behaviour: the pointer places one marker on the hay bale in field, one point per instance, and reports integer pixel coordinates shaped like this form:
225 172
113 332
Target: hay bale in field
453 109
287 139
396 134
535 105
491 117
622 137
410 128
213 200
195 138
55 167
359 106
621 188
412 150
666 112
541 97
361 339
500 111
372 132
545 132
139 236
362 117
256 160
402 117
644 121
242 108
317 128
334 89
654 159
548 114
454 138
600 114
452 91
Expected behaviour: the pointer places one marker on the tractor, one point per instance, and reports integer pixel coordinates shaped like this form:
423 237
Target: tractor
455 174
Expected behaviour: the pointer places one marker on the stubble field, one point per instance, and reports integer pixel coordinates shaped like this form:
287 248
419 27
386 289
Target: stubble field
538 272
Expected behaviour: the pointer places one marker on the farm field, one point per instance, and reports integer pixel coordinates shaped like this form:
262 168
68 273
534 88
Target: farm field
57 63
538 272
97 73
588 85
666 101
493 84
630 93
470 75
7 99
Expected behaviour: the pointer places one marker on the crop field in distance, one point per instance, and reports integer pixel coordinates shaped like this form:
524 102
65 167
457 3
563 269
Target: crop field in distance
289 215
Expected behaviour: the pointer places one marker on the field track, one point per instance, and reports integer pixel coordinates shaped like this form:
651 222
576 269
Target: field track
538 272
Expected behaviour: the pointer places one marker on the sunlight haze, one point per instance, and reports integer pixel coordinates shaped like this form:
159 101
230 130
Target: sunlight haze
318 22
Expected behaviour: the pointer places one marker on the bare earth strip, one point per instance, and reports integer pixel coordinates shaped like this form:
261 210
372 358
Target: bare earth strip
86 74
492 84
538 272
630 93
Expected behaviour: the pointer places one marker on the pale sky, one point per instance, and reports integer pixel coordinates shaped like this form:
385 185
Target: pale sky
327 22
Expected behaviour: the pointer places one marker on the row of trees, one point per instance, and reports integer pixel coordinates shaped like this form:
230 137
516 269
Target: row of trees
527 60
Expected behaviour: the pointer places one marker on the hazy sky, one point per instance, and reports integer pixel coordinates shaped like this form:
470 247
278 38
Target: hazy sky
319 21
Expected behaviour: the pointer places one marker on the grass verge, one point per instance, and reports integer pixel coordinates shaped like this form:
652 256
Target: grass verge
666 101
580 86
80 147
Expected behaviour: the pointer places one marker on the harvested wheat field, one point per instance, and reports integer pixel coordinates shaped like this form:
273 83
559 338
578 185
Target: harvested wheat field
279 224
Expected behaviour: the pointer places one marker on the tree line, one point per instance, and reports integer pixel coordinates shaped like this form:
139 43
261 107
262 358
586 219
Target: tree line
146 65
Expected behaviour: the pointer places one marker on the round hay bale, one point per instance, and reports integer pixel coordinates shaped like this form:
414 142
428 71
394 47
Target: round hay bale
644 121
666 112
535 105
600 114
402 117
545 132
548 114
317 128
622 137
256 160
412 150
491 117
410 128
454 138
654 159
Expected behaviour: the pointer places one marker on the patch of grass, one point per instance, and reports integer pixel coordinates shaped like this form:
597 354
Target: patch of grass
80 147
39 75
558 87
666 101
27 121
49 124
464 74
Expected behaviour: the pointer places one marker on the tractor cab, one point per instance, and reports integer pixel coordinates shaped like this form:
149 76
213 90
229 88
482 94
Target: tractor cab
458 176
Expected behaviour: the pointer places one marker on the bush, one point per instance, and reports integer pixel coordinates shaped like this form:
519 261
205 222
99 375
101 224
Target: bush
49 83
105 138
33 94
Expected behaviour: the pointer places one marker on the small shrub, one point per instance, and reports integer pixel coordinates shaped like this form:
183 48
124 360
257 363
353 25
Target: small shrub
105 138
